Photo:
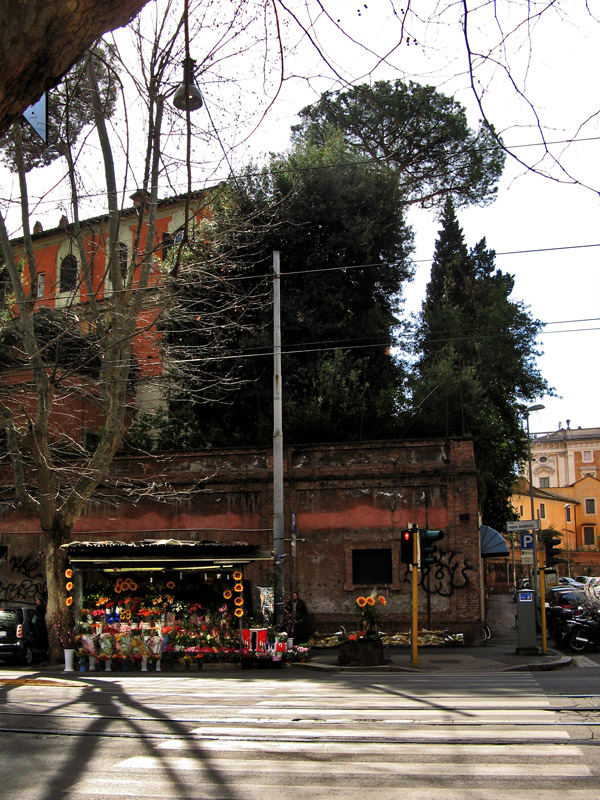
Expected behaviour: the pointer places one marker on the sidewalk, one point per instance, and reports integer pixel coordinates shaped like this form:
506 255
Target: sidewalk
498 654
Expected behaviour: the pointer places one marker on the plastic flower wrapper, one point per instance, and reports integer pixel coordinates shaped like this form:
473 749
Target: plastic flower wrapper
123 644
105 645
88 644
155 644
139 647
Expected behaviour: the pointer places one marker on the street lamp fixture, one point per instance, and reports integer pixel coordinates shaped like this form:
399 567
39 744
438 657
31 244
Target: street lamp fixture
188 94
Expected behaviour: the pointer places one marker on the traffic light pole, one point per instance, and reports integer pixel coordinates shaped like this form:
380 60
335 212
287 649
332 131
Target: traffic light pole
543 604
414 636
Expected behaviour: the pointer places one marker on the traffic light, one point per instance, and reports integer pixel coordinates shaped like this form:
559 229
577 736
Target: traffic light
406 547
428 549
552 548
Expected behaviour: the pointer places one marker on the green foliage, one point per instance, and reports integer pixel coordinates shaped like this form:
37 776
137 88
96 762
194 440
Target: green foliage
417 132
345 227
476 351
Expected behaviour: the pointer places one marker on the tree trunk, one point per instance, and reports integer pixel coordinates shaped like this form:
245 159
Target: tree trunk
60 617
41 39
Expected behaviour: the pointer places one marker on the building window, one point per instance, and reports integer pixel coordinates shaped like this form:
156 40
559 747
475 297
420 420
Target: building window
568 513
588 456
590 505
544 483
68 274
372 566
589 537
170 240
41 288
521 511
542 511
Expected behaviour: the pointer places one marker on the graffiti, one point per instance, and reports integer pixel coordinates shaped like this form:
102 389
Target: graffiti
30 583
27 566
448 574
25 590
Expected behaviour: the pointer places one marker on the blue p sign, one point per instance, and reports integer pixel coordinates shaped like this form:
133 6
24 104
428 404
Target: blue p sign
526 541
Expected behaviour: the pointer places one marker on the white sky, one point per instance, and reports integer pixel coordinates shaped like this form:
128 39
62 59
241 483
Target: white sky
557 75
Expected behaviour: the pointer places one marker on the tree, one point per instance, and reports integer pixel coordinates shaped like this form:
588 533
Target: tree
344 248
475 362
42 39
417 132
114 303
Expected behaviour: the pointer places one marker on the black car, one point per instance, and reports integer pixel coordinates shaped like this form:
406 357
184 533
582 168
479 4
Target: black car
23 634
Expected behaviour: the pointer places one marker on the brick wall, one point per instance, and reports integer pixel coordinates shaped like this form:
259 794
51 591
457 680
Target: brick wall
350 500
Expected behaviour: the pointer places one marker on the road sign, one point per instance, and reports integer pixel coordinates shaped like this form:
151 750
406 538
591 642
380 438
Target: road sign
527 541
523 525
527 558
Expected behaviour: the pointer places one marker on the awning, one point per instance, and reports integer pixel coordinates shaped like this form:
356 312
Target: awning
158 555
492 543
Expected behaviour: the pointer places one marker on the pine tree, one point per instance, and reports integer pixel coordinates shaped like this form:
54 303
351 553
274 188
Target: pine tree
476 351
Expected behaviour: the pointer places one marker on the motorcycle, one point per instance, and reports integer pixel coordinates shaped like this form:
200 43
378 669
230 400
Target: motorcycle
557 619
582 634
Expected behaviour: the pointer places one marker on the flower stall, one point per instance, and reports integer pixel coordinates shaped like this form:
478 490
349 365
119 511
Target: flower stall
166 605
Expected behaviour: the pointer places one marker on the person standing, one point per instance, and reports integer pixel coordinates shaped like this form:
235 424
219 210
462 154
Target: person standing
297 617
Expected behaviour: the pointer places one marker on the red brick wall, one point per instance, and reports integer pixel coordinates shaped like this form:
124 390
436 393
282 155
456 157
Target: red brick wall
346 497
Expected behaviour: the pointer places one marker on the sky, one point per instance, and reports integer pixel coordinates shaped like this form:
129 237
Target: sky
537 82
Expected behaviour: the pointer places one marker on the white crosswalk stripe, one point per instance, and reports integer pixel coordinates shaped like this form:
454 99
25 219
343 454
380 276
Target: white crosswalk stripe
371 739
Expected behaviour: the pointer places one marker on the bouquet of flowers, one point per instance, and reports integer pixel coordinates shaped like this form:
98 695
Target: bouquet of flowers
155 645
123 645
88 645
368 610
105 646
139 648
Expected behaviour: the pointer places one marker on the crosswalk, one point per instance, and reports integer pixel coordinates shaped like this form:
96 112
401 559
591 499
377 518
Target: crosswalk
365 738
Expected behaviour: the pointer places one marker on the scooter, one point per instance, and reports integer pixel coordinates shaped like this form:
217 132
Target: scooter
557 619
582 634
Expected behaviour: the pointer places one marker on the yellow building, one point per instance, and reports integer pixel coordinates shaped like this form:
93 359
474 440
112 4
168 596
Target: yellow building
571 512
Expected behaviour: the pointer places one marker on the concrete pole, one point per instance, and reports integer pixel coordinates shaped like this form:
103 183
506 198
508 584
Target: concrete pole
278 527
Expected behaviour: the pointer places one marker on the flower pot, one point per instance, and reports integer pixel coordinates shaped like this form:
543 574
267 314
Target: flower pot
144 664
158 665
108 665
69 653
92 663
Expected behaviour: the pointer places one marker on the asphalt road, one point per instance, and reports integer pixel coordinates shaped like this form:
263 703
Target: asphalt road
373 736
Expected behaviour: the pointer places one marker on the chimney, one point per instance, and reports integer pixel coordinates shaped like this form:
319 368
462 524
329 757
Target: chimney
63 222
38 227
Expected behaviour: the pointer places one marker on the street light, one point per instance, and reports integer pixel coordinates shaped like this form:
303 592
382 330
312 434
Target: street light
188 94
538 574
528 410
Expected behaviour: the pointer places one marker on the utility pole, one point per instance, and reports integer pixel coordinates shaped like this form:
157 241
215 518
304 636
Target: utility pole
278 526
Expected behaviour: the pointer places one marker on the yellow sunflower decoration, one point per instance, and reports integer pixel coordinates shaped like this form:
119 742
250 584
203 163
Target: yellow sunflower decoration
227 594
361 601
239 601
68 573
237 575
239 612
239 587
69 601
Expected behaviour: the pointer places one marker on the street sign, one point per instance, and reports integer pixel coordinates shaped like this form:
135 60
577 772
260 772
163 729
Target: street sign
523 525
527 541
527 558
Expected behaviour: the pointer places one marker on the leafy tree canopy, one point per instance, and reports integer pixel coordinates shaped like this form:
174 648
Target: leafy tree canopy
476 362
344 247
419 133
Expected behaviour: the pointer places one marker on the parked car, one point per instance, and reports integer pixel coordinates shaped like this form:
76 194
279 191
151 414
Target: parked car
23 634
565 596
571 582
585 579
